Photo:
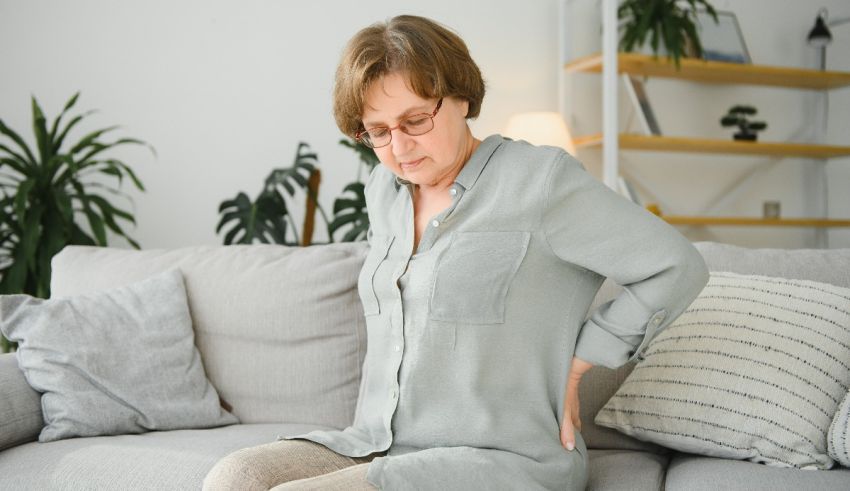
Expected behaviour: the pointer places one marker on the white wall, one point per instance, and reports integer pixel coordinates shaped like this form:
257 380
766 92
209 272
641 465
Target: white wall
225 90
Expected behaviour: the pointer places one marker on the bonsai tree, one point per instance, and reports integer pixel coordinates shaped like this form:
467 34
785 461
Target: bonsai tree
739 116
662 21
50 192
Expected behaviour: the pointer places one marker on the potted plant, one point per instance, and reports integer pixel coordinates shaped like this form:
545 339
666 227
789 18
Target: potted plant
49 192
267 219
739 116
351 210
662 22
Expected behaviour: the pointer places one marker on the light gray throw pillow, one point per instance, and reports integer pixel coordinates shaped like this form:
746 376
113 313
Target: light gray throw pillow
838 440
754 369
113 362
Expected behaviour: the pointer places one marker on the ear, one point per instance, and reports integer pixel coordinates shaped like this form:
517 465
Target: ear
464 107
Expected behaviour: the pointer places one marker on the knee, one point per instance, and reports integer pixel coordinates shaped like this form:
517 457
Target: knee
234 472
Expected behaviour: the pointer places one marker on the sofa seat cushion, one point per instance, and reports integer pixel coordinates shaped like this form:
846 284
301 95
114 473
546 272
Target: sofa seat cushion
626 470
691 472
159 460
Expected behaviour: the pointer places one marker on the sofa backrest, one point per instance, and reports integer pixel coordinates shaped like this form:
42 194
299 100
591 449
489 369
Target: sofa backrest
600 383
280 329
250 303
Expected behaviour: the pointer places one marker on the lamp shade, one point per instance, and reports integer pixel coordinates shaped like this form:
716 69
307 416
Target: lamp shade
540 128
819 36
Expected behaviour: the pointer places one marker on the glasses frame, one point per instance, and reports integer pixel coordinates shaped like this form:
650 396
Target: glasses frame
359 135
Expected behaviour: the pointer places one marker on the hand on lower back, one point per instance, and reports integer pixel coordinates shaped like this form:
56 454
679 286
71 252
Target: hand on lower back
571 421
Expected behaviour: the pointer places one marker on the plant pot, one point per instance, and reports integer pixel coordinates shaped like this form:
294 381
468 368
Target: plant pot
750 137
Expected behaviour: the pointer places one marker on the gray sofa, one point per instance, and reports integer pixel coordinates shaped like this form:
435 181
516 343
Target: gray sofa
282 337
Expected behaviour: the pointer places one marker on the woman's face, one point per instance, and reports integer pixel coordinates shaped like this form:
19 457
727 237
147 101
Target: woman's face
432 159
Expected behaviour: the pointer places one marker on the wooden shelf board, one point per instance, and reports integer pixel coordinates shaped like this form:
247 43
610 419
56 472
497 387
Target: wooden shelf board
704 145
754 221
716 71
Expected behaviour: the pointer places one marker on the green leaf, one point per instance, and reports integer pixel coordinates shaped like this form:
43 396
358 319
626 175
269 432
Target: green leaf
58 140
39 126
5 130
15 163
22 198
96 147
95 221
91 138
127 170
261 220
350 211
78 237
357 232
107 210
31 223
15 276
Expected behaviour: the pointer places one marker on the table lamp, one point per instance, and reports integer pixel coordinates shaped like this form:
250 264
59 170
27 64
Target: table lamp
540 128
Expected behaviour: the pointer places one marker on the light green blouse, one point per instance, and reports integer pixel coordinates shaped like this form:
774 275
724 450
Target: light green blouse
471 336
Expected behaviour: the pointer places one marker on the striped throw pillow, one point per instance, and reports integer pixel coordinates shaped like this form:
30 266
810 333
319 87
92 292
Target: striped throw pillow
838 440
755 369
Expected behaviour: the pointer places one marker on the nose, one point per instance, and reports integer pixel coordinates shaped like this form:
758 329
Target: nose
401 142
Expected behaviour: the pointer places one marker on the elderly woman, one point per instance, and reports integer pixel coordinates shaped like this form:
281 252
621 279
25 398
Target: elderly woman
484 258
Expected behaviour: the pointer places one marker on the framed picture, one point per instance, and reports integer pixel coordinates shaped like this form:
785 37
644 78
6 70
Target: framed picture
643 111
721 41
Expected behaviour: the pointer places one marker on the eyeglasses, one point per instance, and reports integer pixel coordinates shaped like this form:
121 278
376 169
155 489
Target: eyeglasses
381 136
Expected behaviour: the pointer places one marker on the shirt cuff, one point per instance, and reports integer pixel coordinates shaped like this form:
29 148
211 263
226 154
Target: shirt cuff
600 347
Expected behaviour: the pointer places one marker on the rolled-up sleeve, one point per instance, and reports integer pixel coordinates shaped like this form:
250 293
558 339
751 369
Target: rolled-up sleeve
661 272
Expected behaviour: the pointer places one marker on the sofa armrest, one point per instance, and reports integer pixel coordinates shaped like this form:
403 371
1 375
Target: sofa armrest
21 419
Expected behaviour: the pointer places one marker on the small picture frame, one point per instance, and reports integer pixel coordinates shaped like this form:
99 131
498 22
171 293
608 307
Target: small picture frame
643 110
723 40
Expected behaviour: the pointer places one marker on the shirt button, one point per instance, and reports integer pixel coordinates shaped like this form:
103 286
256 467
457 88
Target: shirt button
397 348
453 191
435 223
394 394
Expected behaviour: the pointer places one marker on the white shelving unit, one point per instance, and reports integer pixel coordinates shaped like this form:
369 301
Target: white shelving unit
610 64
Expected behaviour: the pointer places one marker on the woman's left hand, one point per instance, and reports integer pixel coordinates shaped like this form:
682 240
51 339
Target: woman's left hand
571 418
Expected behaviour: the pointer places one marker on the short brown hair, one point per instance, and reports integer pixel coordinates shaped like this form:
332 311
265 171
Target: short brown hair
435 59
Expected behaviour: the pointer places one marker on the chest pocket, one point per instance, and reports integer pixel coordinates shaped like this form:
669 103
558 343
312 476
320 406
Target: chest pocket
380 246
473 275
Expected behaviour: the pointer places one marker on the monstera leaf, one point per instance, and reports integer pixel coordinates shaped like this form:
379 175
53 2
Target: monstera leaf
299 173
367 156
262 220
351 210
267 219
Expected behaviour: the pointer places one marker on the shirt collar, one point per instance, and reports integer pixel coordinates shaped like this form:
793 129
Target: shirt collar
473 167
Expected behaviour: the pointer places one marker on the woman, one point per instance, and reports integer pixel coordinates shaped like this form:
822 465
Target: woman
484 259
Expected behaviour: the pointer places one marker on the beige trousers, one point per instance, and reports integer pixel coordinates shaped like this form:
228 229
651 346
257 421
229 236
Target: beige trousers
289 465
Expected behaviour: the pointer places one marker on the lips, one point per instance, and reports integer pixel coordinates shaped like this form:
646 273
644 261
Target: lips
411 164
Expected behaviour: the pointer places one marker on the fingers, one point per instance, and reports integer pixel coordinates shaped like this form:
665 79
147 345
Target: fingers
567 434
576 416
